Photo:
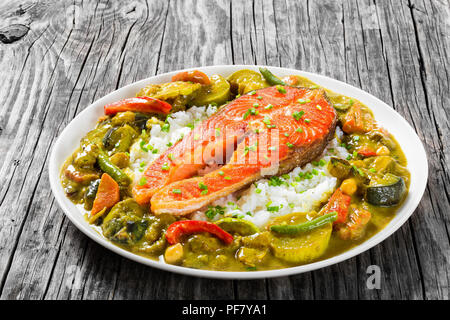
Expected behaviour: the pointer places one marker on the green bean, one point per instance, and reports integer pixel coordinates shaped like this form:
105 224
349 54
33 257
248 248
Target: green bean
305 226
108 167
270 78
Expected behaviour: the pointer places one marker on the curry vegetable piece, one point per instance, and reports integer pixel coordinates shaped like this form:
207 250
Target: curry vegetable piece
107 166
138 104
119 139
179 93
389 192
125 222
246 81
239 226
271 78
305 226
181 228
174 253
303 247
355 227
195 76
107 195
339 202
89 195
217 92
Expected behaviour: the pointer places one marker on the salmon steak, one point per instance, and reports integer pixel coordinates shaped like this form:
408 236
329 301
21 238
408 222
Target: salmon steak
263 133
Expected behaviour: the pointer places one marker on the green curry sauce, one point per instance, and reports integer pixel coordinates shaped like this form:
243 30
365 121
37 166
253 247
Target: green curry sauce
376 170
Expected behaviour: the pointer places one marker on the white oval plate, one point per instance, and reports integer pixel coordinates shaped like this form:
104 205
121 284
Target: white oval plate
69 139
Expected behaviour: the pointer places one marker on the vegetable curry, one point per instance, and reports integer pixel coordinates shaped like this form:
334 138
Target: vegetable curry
372 183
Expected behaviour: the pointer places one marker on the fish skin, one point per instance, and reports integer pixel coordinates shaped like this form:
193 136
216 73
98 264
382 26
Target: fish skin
245 167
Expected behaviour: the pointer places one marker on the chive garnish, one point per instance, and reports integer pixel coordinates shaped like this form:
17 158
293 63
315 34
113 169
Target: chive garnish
142 181
297 115
281 89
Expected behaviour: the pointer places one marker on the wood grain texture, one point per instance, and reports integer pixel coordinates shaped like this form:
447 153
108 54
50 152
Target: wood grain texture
57 57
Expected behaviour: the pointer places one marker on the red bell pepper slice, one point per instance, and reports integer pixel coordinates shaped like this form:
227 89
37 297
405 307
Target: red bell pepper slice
366 152
193 76
181 228
138 104
339 202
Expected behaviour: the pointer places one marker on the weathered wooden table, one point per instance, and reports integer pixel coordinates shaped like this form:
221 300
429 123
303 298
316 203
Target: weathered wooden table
57 57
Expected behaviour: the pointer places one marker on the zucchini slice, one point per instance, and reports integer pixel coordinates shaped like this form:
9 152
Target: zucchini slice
218 92
244 81
388 194
240 226
304 247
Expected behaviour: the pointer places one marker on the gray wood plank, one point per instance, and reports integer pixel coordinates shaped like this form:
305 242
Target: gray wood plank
430 20
81 57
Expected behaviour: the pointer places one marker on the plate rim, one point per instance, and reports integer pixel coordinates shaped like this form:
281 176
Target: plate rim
84 227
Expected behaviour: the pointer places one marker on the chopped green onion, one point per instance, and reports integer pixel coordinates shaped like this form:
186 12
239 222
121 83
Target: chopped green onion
142 145
303 101
273 208
165 127
281 89
143 181
165 167
297 115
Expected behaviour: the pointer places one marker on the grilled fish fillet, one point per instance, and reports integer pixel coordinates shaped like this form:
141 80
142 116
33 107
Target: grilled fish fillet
266 133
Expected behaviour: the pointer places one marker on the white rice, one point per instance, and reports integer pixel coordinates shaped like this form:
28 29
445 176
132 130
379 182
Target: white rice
160 140
261 201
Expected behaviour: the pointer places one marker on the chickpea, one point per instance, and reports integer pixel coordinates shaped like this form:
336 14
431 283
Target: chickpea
174 253
348 186
383 151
